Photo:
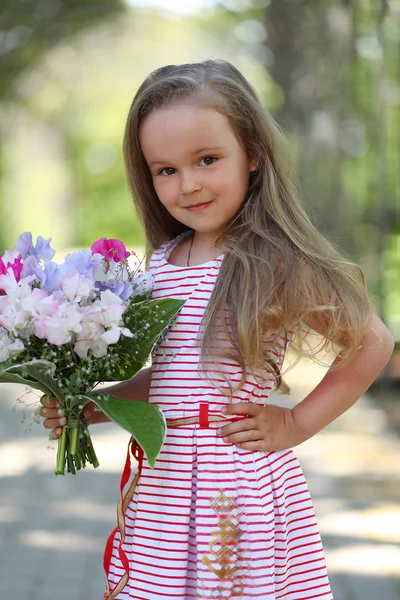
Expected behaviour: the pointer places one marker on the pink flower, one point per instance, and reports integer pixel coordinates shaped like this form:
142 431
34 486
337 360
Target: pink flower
16 267
111 249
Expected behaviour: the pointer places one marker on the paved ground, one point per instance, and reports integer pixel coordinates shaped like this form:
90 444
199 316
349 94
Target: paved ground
53 529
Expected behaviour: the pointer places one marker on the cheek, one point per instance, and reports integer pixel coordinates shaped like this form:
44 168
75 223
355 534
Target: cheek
231 183
166 190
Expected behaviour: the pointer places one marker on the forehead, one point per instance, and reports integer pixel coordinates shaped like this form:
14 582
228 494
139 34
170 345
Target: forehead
182 128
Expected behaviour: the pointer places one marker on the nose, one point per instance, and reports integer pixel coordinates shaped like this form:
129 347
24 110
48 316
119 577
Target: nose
189 183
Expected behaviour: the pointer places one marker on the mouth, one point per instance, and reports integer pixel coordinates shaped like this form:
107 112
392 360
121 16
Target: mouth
198 207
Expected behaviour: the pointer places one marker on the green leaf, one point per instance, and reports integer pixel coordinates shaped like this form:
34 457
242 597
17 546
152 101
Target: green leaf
144 421
133 353
38 374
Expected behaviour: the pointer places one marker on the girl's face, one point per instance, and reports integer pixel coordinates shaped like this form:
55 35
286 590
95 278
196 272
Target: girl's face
200 171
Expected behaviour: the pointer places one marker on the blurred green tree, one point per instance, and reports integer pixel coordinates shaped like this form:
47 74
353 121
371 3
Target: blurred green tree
28 28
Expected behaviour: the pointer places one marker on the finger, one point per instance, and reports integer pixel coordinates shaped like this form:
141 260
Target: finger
240 425
253 435
242 408
49 402
52 423
55 434
51 413
255 446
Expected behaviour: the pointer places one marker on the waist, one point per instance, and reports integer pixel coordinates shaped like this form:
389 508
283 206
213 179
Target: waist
203 417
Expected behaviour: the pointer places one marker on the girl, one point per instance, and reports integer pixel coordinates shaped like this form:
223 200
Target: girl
226 512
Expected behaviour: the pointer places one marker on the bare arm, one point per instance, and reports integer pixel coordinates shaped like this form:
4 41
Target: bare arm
341 388
270 428
136 388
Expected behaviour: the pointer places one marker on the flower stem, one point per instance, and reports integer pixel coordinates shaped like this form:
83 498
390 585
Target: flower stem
91 454
75 448
74 440
62 444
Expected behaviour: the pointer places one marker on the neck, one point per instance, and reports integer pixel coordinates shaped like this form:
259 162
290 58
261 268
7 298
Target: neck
202 248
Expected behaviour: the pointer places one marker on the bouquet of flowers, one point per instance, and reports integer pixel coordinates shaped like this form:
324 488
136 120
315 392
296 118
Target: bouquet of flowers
66 328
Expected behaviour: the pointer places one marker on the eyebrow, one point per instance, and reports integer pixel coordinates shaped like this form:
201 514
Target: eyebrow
198 151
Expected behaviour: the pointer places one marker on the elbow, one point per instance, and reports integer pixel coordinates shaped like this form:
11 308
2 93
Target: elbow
381 338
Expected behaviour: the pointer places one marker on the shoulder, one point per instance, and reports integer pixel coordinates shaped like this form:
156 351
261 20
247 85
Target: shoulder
155 258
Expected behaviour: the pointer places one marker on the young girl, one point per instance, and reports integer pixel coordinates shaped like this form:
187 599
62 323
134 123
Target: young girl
226 512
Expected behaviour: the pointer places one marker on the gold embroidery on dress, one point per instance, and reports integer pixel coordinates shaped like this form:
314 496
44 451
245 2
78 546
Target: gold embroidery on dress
225 552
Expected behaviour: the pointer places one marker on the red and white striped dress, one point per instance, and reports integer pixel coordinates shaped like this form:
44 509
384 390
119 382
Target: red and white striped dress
212 521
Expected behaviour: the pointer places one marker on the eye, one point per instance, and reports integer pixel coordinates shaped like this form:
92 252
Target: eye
209 158
166 169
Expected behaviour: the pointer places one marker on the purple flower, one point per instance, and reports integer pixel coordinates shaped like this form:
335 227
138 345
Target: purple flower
41 251
81 261
32 267
119 288
54 277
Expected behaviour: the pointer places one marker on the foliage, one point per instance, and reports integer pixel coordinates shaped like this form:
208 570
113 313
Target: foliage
328 71
29 28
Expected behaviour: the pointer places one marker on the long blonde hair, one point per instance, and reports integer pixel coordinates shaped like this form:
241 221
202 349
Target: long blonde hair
278 269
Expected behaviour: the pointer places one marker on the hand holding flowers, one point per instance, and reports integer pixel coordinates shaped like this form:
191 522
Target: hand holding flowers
66 328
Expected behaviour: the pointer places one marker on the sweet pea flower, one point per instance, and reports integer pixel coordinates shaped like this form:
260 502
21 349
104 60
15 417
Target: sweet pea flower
9 348
110 271
13 288
53 277
113 276
41 251
58 328
111 249
16 265
111 309
119 288
77 286
9 256
83 261
105 312
94 338
8 312
112 335
88 339
48 306
27 312
17 316
32 267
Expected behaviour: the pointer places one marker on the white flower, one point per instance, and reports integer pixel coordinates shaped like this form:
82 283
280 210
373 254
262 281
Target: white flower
107 310
99 347
77 286
31 302
9 256
13 288
48 306
8 347
112 335
88 336
57 329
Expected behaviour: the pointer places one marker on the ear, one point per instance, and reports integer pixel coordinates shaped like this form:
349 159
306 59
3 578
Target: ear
253 165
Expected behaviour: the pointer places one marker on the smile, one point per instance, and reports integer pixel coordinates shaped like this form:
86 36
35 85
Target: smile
198 207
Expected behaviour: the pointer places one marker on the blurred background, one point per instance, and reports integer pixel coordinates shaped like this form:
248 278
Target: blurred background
329 72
